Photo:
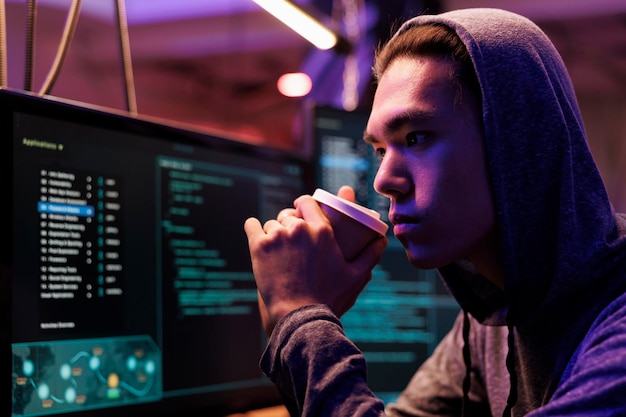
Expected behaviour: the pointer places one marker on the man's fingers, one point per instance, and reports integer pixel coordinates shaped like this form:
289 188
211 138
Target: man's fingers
309 209
286 212
290 221
252 226
347 193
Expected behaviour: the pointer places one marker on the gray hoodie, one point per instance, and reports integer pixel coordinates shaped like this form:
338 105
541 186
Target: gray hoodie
554 340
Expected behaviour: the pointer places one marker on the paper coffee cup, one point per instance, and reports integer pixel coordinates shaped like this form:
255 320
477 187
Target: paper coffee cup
354 225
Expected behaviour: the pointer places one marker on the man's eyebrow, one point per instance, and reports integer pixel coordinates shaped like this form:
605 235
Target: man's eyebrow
397 122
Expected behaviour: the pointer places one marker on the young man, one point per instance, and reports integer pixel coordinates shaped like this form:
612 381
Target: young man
490 181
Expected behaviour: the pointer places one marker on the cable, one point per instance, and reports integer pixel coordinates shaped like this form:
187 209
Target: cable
31 20
68 34
129 83
3 46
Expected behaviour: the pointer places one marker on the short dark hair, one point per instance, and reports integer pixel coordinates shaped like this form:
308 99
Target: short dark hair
430 40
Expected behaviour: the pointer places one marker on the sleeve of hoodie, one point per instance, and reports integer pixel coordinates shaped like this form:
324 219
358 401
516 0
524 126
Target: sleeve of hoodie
594 383
316 368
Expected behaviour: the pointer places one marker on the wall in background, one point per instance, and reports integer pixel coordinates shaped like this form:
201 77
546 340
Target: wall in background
216 69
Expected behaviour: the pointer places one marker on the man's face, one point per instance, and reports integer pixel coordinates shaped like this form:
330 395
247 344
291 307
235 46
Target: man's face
433 166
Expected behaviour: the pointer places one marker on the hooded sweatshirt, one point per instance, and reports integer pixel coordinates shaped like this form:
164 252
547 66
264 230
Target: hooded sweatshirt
552 342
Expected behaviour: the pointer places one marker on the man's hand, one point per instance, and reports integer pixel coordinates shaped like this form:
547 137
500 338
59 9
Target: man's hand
296 262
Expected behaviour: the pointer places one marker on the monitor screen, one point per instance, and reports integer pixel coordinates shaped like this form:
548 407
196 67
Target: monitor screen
403 312
126 280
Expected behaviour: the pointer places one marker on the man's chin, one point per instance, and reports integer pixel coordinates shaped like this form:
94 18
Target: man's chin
422 259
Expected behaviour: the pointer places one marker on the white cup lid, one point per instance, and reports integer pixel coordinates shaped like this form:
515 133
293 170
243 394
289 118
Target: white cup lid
363 215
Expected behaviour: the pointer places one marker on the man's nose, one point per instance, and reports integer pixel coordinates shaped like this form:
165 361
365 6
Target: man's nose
391 177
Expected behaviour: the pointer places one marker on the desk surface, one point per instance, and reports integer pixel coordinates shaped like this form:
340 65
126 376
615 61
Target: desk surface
278 411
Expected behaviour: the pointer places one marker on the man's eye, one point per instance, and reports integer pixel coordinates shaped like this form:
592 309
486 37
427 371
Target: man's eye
379 152
416 138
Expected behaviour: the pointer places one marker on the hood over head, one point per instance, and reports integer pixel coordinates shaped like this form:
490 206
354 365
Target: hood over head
558 234
562 247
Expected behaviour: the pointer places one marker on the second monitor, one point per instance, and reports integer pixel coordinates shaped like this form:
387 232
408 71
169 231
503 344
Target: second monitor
403 312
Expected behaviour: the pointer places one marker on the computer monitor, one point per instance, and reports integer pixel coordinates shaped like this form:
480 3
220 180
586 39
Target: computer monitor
126 282
403 312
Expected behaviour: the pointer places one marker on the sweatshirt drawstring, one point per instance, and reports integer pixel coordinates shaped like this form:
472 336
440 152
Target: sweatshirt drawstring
510 366
467 360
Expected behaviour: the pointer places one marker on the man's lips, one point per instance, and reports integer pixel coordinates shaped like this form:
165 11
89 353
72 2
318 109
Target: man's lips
398 218
402 223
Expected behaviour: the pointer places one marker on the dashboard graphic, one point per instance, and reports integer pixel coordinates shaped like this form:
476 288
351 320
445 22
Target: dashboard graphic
65 376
